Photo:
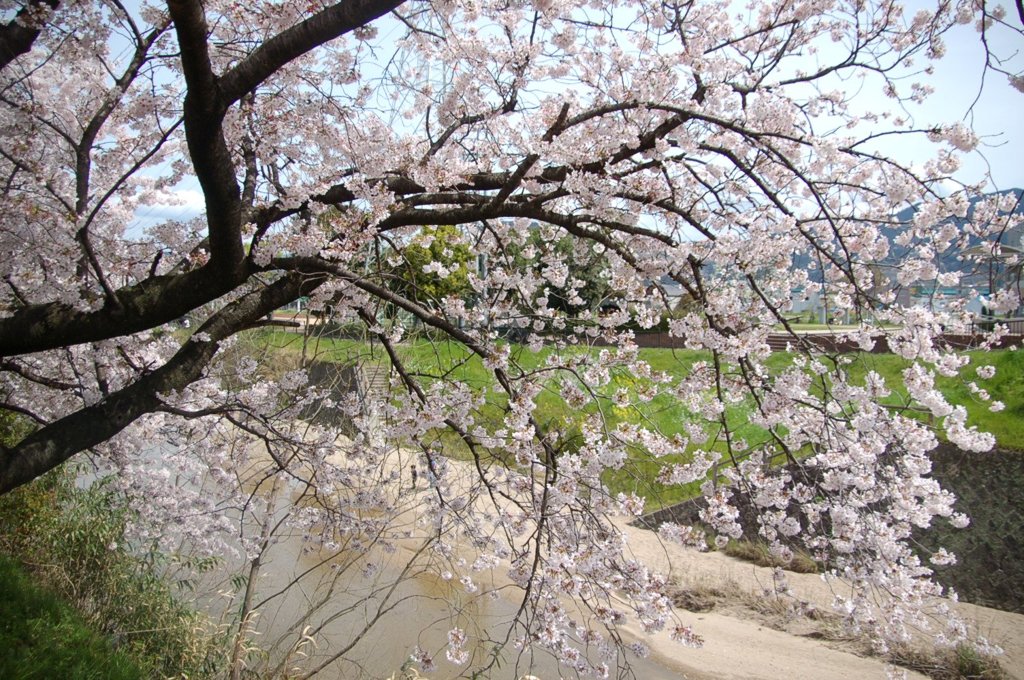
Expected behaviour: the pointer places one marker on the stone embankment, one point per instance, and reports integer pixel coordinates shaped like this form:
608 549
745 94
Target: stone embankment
989 570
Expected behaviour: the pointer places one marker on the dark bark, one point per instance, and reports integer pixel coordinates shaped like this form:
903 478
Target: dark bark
17 36
204 114
145 305
268 58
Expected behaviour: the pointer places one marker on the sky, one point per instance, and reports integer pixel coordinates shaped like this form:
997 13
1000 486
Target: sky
994 111
998 114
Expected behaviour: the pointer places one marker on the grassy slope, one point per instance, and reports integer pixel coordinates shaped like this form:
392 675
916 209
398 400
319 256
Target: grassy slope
1007 386
668 416
42 638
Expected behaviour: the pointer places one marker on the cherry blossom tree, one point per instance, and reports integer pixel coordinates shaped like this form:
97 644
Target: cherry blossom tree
714 143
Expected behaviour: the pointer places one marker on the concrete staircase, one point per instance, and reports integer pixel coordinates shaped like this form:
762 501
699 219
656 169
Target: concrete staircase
373 382
779 341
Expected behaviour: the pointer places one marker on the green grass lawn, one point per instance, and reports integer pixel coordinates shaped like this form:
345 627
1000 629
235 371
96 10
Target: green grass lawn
1007 386
432 361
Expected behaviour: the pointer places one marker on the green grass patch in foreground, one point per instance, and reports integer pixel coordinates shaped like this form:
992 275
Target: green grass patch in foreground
43 637
73 539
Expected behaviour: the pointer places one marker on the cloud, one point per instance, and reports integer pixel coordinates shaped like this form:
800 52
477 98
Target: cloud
178 205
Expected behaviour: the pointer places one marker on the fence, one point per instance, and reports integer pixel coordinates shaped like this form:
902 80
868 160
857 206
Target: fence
834 343
1013 326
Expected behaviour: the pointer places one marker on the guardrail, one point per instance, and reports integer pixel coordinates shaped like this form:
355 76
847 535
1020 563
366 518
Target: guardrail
1014 326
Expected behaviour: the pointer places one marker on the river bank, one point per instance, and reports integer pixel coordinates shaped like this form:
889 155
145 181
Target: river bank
752 634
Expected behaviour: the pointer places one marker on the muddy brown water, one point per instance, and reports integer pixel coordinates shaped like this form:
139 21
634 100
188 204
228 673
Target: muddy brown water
359 611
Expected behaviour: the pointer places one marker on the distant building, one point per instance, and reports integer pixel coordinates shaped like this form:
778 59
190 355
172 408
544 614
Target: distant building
983 268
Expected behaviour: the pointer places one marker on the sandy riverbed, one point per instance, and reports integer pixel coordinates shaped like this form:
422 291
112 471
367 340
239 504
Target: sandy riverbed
742 637
742 644
747 635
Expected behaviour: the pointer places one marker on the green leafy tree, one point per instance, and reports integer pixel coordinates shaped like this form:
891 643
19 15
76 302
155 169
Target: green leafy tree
435 265
586 284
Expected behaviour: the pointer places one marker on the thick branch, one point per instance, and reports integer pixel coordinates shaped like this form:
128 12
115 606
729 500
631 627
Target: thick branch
331 23
52 445
204 114
145 305
503 182
18 35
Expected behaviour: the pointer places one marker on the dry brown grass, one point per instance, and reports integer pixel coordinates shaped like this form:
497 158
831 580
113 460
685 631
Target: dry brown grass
705 596
758 553
789 615
963 662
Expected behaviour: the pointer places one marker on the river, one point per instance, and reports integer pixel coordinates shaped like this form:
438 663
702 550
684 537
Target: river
358 608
